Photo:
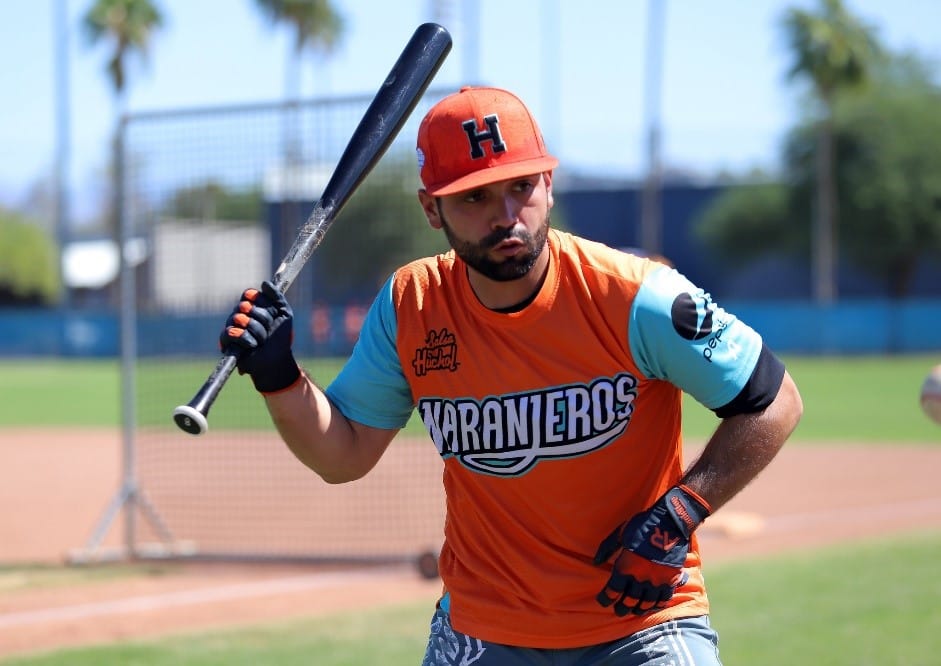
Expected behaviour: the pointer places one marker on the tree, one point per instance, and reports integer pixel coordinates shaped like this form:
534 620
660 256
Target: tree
747 222
128 26
29 271
890 145
381 228
834 50
316 26
887 154
214 202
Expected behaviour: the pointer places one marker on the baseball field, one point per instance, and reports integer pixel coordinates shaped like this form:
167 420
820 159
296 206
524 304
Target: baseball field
827 558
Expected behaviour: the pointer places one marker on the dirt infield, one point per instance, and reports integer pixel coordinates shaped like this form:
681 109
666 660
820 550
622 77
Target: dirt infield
55 486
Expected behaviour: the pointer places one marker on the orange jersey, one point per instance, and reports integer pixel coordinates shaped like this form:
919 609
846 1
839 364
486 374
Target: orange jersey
552 431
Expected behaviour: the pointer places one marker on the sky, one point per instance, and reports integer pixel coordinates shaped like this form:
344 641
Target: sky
724 104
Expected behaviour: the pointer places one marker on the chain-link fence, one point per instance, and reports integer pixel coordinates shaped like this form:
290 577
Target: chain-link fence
211 200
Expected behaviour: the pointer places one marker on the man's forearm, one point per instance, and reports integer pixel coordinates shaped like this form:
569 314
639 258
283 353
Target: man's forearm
318 434
742 446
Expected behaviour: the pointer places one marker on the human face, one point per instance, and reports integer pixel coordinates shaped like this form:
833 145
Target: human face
499 230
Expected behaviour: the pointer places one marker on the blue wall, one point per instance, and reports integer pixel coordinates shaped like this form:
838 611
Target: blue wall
773 296
860 327
856 327
36 332
612 216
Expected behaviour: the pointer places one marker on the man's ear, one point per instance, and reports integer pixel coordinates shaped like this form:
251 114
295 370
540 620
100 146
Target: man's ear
429 206
547 177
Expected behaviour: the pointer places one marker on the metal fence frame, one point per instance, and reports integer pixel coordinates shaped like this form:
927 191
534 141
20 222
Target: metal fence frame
131 499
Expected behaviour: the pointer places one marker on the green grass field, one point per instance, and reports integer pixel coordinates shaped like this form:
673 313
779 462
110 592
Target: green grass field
874 604
871 604
849 399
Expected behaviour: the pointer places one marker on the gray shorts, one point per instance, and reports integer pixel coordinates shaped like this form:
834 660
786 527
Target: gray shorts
685 642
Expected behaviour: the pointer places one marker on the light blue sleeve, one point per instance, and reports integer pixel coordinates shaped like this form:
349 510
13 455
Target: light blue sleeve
678 334
371 388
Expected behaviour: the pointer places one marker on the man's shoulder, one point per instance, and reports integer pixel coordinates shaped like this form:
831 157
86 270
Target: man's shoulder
425 272
590 255
573 243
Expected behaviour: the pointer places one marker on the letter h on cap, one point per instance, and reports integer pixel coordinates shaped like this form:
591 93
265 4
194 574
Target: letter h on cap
477 138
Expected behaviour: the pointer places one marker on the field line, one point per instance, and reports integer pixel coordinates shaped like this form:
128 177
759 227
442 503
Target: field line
166 600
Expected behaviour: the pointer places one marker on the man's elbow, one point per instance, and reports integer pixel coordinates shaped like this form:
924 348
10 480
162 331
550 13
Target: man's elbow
346 469
791 405
338 477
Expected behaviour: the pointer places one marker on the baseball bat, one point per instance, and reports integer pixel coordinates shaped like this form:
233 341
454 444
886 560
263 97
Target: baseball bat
385 116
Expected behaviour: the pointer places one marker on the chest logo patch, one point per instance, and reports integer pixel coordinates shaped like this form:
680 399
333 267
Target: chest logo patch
439 353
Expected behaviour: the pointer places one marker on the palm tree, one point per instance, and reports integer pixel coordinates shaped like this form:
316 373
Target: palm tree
316 25
128 26
834 51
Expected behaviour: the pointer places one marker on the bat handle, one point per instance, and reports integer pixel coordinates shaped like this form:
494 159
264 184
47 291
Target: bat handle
191 417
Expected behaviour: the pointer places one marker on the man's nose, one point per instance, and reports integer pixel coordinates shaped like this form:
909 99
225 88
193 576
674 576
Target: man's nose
506 213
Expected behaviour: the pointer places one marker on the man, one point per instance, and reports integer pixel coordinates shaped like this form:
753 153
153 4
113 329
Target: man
549 372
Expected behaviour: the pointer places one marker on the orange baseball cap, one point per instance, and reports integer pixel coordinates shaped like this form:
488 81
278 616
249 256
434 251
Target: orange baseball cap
479 136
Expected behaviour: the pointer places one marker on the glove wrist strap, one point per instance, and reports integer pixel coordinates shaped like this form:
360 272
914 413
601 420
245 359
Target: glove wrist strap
276 376
687 508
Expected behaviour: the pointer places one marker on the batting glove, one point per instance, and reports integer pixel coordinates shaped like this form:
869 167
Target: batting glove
652 548
260 332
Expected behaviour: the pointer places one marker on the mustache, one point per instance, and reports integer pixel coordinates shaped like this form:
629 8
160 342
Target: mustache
507 233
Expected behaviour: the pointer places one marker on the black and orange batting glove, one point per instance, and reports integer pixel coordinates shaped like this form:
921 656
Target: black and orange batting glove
652 548
259 332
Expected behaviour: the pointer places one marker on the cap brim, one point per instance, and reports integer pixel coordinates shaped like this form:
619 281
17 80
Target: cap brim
494 174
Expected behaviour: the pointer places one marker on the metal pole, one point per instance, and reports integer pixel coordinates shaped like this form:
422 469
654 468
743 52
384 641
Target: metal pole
824 220
552 66
60 38
651 221
128 317
470 29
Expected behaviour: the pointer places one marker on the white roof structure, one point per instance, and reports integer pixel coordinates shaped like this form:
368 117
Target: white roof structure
94 264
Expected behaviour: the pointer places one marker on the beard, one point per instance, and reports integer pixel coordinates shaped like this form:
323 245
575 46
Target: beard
509 268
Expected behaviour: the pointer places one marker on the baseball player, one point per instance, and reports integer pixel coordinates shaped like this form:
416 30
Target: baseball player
548 370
